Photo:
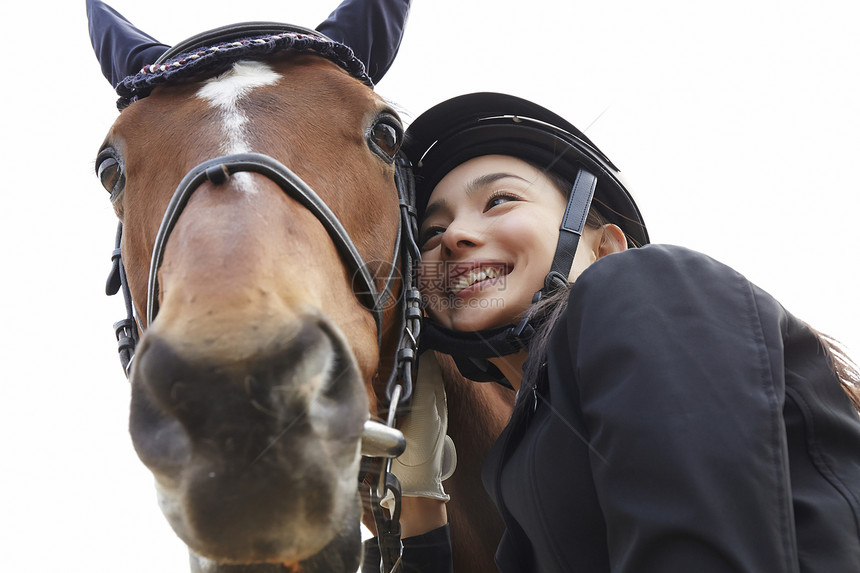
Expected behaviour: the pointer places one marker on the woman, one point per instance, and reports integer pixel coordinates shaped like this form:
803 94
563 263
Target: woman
670 415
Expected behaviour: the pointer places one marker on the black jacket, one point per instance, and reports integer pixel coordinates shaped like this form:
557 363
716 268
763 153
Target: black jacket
687 423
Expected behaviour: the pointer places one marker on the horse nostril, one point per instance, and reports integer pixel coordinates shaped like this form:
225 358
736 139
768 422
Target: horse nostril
260 395
179 396
341 370
339 377
159 438
302 388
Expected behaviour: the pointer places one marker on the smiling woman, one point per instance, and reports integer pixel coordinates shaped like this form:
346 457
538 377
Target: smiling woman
654 382
501 207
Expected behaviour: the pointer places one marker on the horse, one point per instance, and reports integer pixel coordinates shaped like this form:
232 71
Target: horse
271 299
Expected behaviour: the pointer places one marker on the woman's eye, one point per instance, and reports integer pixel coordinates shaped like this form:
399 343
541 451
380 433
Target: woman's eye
385 137
110 172
500 199
427 239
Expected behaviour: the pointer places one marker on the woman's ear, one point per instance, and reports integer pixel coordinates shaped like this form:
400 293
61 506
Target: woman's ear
612 240
596 243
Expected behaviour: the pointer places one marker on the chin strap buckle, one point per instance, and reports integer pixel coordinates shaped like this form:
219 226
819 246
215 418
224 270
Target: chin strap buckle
554 281
522 333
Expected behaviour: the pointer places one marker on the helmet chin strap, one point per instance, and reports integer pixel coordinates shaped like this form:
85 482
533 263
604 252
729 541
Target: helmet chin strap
472 350
572 225
570 231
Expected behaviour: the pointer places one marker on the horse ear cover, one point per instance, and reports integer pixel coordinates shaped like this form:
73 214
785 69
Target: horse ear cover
372 28
121 48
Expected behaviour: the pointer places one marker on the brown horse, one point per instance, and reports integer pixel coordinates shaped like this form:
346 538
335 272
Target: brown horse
259 365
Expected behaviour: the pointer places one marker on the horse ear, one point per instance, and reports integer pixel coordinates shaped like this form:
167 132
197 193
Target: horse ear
121 49
372 28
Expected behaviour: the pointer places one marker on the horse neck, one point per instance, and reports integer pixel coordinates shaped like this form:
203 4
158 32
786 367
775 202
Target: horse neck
477 413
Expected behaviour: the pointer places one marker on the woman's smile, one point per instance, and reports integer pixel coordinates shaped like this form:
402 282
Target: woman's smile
465 278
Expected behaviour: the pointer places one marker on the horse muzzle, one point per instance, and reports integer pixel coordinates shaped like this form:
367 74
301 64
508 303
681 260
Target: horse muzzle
256 456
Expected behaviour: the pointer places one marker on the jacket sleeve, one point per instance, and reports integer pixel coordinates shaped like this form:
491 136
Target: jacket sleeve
678 376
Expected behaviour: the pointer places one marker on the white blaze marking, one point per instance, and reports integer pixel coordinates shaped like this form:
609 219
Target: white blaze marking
225 93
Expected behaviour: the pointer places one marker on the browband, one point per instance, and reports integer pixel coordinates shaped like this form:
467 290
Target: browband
215 51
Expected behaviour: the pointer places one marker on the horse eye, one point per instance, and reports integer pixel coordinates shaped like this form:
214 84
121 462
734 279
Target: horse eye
110 173
385 137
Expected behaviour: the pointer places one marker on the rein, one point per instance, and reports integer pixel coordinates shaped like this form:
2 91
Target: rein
381 442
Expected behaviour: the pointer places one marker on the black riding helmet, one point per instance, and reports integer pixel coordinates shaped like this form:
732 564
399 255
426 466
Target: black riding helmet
478 124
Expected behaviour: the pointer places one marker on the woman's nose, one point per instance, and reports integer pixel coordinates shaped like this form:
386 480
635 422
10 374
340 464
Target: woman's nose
459 237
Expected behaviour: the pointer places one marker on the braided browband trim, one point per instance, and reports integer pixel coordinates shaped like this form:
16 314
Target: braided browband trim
218 58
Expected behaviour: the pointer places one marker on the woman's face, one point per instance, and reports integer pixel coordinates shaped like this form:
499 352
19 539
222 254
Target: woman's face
488 239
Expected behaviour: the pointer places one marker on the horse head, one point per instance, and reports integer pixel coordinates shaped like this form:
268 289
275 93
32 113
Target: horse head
245 167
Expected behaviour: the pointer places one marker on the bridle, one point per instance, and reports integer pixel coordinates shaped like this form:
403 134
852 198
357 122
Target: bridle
217 171
381 442
211 52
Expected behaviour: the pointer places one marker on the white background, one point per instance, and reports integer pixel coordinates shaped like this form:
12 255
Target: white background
736 124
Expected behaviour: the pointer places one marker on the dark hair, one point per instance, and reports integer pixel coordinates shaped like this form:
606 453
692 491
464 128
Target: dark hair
843 366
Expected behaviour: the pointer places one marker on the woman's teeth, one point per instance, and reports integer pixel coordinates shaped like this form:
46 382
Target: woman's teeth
473 277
